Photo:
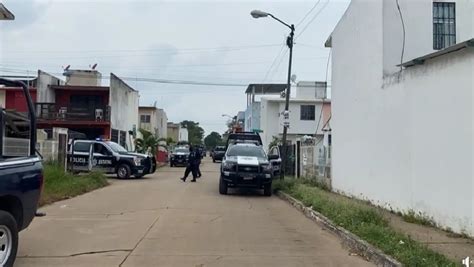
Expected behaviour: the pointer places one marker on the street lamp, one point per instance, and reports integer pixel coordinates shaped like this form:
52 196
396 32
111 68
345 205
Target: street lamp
289 42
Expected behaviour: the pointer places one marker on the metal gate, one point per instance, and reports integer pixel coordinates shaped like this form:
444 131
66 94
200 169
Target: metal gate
291 159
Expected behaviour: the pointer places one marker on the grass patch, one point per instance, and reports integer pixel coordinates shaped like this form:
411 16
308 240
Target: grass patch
365 221
418 218
59 184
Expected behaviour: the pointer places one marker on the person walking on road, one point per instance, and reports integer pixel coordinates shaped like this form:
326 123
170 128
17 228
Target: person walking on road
192 165
198 163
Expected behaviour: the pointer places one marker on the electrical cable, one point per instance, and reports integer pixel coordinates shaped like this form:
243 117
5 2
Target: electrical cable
307 14
404 37
322 104
273 63
312 19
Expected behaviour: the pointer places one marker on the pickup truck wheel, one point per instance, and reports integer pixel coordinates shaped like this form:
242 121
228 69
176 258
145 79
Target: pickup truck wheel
267 190
8 239
123 171
222 187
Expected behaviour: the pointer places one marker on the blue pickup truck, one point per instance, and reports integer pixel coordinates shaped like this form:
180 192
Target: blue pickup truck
21 175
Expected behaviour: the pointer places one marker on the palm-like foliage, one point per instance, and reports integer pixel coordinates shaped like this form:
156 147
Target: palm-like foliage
148 143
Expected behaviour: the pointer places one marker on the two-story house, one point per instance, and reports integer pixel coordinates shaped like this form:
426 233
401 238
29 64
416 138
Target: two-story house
87 108
154 120
402 91
307 114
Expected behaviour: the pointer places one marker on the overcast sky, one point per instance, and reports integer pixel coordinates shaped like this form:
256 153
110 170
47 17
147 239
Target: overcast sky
203 41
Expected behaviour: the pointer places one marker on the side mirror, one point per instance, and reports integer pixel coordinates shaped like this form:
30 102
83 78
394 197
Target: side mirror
273 157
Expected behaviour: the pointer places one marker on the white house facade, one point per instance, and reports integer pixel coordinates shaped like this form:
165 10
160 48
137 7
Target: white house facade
154 120
404 139
306 113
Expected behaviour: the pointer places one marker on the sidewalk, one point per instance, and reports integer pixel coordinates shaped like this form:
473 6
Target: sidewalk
455 248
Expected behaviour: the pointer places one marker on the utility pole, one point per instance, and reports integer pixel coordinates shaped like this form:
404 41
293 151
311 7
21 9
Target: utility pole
286 114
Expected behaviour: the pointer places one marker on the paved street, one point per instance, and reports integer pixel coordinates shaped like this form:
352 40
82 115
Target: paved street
160 221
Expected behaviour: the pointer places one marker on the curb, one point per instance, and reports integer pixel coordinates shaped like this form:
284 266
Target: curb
356 244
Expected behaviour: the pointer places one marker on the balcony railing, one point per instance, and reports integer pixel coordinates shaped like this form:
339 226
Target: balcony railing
51 111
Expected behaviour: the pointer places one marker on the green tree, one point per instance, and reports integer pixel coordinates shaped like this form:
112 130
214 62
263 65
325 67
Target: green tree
195 132
275 142
148 142
212 140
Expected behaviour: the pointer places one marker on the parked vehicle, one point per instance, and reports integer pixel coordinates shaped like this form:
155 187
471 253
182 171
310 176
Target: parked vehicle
21 177
218 153
246 165
179 156
275 160
109 157
244 137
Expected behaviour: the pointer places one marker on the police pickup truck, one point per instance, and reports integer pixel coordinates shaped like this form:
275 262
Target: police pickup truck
108 157
245 164
21 174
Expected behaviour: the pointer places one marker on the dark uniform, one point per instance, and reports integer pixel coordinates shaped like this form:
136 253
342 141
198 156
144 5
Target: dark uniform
199 157
192 165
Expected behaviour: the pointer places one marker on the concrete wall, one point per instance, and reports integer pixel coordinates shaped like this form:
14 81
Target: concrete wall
123 102
152 126
402 145
272 122
253 117
183 135
83 77
173 131
418 18
2 98
310 90
45 94
162 123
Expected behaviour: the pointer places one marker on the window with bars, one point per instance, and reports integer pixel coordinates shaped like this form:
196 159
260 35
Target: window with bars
444 25
307 113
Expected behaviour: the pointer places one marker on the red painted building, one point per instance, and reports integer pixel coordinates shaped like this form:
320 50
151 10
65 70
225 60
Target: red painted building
82 109
13 98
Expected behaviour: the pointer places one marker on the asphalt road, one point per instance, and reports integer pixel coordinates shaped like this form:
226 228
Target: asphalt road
161 221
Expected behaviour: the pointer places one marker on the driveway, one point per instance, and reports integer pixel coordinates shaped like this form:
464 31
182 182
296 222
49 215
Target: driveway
161 221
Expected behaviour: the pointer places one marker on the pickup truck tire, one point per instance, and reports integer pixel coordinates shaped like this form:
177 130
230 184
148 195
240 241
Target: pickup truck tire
8 239
222 187
123 171
267 190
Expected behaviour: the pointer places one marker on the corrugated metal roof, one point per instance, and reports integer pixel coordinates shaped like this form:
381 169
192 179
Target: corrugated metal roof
448 50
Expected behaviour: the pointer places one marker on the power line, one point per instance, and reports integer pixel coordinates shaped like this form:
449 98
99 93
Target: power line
312 19
273 63
279 63
173 50
151 80
404 37
307 14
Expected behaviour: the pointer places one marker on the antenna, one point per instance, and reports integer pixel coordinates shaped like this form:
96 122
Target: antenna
94 66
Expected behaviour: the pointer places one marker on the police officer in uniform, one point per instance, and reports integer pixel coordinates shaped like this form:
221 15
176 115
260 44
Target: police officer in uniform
192 165
199 158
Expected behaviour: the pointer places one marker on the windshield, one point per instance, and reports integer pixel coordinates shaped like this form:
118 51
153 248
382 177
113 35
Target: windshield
116 147
181 150
220 148
246 151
